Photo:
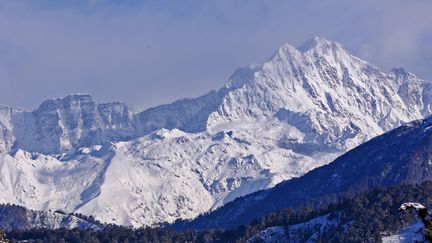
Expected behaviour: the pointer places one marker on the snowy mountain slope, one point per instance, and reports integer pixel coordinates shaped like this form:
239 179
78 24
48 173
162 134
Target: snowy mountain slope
189 115
414 92
159 177
296 233
400 156
411 234
270 122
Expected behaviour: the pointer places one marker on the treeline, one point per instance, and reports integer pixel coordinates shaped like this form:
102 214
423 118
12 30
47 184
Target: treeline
363 217
15 217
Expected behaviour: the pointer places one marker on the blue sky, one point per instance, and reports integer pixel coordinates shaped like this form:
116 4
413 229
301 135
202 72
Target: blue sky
146 53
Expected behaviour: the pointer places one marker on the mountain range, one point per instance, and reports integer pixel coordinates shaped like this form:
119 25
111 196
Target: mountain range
299 110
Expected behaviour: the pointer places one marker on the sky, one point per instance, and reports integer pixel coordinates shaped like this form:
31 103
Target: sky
150 52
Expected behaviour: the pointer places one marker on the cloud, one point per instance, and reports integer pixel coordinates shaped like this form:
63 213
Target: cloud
151 52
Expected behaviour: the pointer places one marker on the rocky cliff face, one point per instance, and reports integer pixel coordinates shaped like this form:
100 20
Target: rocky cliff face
7 137
60 125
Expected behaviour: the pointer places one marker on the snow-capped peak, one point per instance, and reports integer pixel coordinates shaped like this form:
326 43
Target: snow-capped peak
327 91
316 47
319 44
241 76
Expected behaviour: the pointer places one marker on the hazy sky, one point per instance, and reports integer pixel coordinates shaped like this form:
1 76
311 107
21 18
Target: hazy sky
145 53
